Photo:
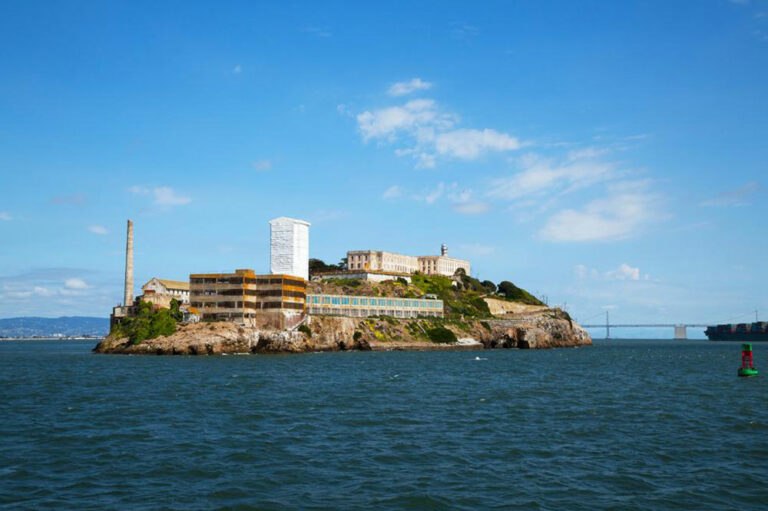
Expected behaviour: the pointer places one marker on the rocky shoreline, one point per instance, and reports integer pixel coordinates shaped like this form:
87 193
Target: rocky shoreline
327 333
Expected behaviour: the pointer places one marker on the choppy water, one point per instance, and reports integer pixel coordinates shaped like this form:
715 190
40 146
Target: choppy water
621 425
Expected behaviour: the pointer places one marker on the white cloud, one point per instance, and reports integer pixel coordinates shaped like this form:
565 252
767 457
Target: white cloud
98 229
4 215
627 209
738 197
43 291
623 272
392 192
468 144
404 88
427 132
470 208
138 190
418 117
435 194
261 165
464 203
541 175
237 69
75 283
166 196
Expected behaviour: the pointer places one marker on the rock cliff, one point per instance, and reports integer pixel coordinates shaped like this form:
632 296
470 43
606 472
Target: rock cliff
327 333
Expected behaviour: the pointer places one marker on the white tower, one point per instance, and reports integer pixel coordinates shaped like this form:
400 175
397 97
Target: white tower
289 247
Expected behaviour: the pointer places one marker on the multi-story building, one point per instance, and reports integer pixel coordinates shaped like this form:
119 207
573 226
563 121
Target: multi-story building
377 260
289 247
442 265
363 306
160 292
372 260
246 298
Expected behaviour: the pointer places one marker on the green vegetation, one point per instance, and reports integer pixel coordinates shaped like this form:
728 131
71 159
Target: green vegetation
357 335
305 330
511 292
459 301
441 335
148 324
486 325
489 286
319 266
347 282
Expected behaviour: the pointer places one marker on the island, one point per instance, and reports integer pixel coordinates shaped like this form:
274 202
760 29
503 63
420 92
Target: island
477 315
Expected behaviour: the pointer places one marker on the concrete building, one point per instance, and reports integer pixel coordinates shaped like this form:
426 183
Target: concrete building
289 247
160 292
380 261
364 306
377 260
249 299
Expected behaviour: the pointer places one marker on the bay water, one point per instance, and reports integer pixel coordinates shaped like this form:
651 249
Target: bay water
618 425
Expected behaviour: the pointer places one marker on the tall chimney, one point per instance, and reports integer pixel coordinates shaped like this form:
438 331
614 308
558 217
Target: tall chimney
128 299
443 250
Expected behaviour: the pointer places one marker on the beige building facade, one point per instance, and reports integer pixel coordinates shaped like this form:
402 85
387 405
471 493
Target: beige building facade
373 260
378 260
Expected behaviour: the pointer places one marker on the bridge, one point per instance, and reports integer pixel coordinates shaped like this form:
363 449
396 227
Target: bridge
680 329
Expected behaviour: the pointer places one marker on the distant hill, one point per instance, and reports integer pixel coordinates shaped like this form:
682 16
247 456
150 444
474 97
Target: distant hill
66 325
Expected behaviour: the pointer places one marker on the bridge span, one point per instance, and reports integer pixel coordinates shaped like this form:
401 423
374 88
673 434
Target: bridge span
680 329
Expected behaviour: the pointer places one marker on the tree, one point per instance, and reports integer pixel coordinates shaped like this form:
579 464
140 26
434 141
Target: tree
489 286
176 313
319 266
512 292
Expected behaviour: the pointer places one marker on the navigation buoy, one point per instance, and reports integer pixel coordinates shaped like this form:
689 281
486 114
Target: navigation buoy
747 365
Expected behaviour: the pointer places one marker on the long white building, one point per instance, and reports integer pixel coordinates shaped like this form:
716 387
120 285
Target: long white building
289 247
379 260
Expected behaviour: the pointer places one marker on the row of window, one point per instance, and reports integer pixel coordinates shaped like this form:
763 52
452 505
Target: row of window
250 292
395 313
374 302
247 305
248 280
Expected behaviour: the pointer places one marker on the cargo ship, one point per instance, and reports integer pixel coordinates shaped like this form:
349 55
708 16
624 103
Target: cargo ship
741 332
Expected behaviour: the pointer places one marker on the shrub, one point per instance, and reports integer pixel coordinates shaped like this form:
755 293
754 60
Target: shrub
357 335
402 281
346 282
489 286
148 324
441 335
305 330
512 292
486 325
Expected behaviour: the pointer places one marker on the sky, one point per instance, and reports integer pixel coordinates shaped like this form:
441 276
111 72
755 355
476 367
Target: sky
608 156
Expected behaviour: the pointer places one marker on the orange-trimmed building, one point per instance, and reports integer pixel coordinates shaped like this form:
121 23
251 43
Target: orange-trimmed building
249 299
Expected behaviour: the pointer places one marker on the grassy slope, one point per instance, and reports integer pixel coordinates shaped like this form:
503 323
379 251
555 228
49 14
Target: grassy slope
465 300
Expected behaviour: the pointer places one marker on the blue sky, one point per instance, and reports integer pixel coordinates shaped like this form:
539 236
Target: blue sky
606 155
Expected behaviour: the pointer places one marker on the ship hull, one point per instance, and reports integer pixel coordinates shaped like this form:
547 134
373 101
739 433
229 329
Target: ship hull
742 332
